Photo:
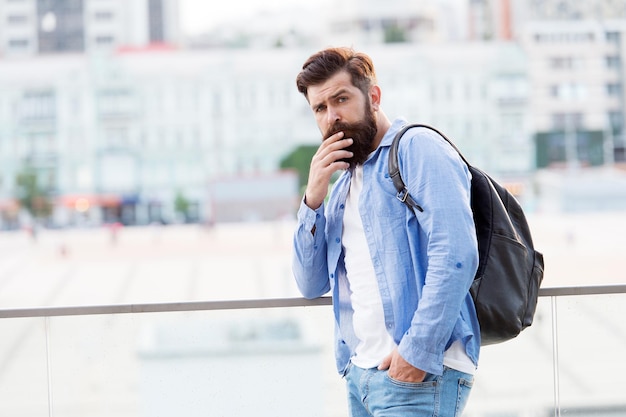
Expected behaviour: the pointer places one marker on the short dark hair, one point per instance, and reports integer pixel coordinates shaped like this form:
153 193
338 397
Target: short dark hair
326 63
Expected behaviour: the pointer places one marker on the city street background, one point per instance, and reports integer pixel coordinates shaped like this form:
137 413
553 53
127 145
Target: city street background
241 260
155 151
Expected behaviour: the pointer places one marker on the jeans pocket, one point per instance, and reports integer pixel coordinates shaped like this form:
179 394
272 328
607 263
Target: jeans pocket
465 386
429 381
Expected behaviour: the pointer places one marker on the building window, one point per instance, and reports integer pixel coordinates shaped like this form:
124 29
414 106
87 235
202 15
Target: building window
61 27
38 105
17 19
18 43
614 89
613 61
565 62
42 143
568 91
564 37
616 122
613 37
103 15
155 21
104 40
114 102
566 121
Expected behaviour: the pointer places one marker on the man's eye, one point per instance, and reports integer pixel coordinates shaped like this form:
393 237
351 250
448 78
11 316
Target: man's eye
342 99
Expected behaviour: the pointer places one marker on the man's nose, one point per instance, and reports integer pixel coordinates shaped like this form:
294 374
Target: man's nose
332 116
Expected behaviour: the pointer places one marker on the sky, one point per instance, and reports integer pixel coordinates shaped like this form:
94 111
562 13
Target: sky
199 15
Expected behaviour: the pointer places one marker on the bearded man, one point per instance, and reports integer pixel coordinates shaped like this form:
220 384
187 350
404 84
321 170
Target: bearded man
407 336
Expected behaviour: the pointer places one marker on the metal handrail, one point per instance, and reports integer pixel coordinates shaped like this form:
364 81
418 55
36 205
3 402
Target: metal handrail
248 304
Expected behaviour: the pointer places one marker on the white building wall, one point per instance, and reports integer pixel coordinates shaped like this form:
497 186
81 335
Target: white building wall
568 66
146 125
476 93
578 77
18 31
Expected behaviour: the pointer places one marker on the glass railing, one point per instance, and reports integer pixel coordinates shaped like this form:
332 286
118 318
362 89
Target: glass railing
273 357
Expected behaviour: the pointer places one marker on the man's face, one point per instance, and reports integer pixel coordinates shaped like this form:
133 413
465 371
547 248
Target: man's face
340 106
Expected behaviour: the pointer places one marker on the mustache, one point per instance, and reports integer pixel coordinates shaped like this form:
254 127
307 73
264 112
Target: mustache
336 128
349 130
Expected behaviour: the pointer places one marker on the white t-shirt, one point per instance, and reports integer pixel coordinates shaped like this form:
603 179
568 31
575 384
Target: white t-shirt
375 343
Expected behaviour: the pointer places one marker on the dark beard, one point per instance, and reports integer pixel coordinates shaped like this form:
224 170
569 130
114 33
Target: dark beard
362 134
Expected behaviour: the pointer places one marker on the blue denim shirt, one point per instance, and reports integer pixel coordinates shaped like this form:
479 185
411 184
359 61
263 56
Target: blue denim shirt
424 261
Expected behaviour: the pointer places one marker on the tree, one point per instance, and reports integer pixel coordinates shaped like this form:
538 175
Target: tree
300 160
30 195
395 34
181 204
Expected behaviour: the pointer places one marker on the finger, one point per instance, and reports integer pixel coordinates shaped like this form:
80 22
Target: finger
328 148
384 365
341 144
339 150
333 143
331 156
334 137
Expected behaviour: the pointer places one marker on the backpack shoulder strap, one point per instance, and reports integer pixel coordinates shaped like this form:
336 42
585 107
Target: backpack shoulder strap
394 170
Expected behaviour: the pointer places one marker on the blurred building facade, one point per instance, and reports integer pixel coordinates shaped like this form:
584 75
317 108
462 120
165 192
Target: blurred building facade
116 137
574 9
577 101
134 131
507 19
371 21
31 27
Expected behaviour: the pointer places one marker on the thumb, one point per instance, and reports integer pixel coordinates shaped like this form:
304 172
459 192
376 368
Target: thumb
384 365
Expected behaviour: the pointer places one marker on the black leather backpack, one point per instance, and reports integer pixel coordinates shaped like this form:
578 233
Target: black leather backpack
510 270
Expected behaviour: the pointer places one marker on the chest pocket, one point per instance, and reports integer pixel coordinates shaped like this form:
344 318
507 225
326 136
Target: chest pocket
385 202
387 216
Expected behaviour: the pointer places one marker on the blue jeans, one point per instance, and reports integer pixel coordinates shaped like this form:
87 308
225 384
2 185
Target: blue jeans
372 393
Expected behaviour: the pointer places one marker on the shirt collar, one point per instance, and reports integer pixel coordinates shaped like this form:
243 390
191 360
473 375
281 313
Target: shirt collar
392 131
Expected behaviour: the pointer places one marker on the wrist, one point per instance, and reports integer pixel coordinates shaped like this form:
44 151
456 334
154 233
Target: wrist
312 203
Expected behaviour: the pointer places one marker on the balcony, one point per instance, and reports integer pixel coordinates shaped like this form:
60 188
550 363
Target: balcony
235 348
273 357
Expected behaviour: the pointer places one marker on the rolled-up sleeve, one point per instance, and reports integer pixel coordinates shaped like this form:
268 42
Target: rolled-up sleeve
309 262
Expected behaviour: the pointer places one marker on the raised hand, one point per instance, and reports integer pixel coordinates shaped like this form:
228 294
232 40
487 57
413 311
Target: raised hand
326 161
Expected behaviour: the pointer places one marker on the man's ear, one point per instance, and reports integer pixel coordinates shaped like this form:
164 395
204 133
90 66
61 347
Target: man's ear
375 96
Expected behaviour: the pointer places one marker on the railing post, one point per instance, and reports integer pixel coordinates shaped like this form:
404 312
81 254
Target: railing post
555 358
48 366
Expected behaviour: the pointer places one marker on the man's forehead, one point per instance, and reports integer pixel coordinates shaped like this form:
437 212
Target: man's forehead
339 82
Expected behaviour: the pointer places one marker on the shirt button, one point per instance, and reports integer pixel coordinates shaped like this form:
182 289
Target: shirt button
341 206
337 240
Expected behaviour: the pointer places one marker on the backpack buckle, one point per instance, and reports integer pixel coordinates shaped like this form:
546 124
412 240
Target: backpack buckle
402 195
